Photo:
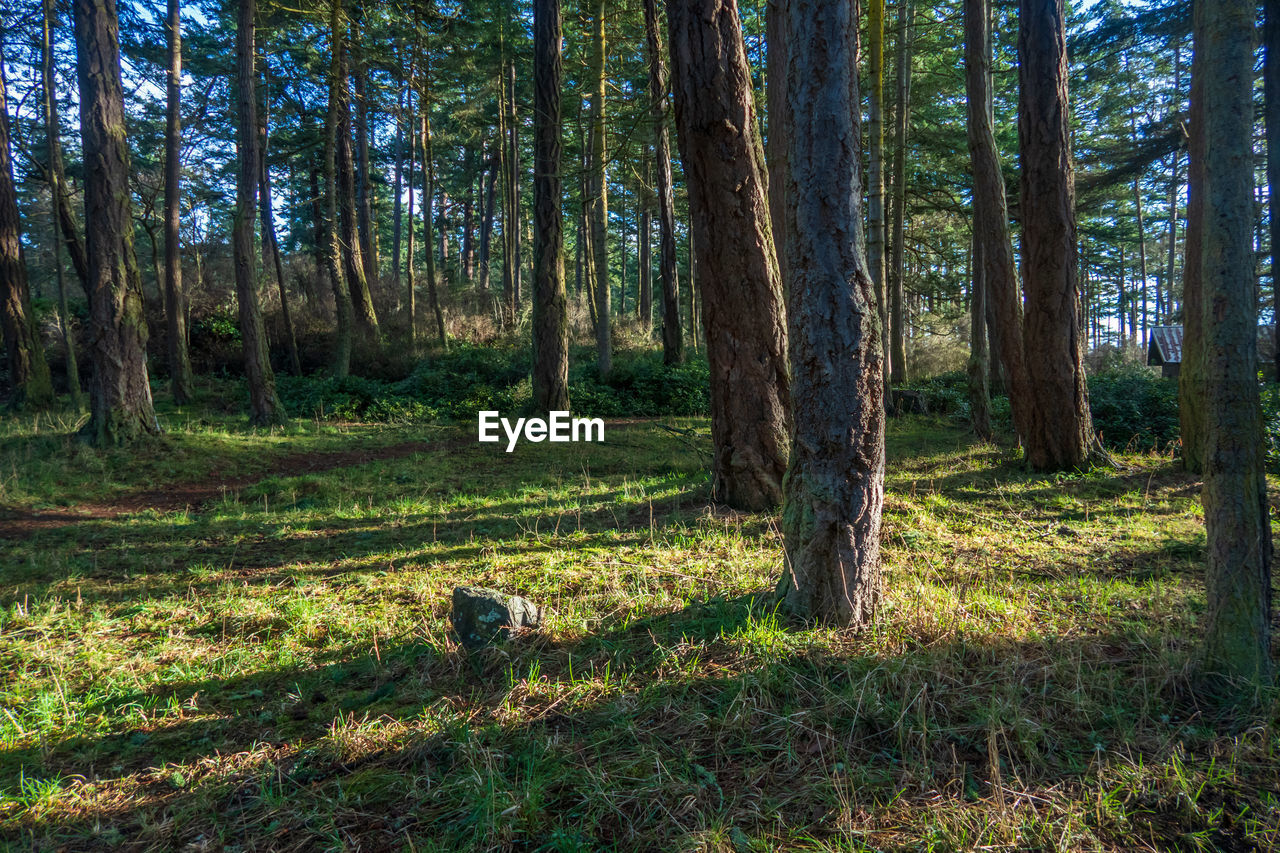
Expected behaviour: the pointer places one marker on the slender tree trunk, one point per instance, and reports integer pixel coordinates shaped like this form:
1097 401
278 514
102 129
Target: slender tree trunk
835 481
352 253
270 243
51 123
319 237
429 170
1237 638
897 295
364 192
1061 427
343 308
513 187
411 292
28 369
486 224
742 301
1271 87
468 234
644 248
550 302
979 366
120 395
598 198
507 313
776 62
1191 375
875 170
397 191
672 337
264 406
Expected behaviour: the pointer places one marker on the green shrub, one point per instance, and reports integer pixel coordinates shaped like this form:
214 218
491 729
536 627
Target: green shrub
1134 409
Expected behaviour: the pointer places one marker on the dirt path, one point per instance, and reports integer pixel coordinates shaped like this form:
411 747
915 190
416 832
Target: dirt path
17 523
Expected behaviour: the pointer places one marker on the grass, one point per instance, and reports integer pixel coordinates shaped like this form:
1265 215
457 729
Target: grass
273 671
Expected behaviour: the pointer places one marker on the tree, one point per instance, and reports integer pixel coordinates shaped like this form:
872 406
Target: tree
1271 94
835 479
979 358
121 409
897 293
352 256
1237 641
343 308
264 406
875 167
28 370
743 312
1059 425
181 382
672 337
270 243
598 197
550 302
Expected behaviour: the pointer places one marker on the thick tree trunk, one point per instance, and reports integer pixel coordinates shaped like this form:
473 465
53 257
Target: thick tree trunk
744 316
1191 377
672 336
51 123
1060 434
550 302
1237 640
598 197
333 128
875 167
352 254
835 481
264 406
120 395
898 285
270 243
28 370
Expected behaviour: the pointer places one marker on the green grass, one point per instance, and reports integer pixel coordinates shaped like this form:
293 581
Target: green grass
274 672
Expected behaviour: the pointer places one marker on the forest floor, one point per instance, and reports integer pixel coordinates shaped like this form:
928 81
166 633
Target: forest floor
261 661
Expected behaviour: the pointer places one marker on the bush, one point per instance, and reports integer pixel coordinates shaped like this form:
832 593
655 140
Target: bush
1134 409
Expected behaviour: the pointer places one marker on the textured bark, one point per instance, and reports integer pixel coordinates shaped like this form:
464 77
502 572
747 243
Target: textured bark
429 173
979 358
1271 87
52 135
1191 380
270 243
875 165
744 317
397 212
550 302
28 370
644 267
349 232
120 395
672 337
991 217
264 405
513 189
835 481
332 243
486 225
364 192
897 282
1237 638
1060 427
410 284
598 197
776 56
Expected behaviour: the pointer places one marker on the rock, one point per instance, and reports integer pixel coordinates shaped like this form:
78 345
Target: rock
484 616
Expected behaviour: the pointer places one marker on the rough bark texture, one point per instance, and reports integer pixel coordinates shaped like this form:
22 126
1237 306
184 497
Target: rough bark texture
598 198
979 358
120 396
1191 390
875 163
1271 87
672 337
742 303
428 191
1238 576
835 481
181 381
897 283
264 406
364 192
776 142
332 243
550 302
1060 426
28 370
349 232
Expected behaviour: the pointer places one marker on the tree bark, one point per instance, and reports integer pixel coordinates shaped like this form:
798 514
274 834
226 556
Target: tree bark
28 370
429 171
51 123
979 367
352 253
411 290
744 317
397 214
264 406
343 309
672 336
598 197
835 480
875 167
550 302
897 294
1237 641
1271 94
120 395
1060 434
486 224
270 243
1191 376
364 192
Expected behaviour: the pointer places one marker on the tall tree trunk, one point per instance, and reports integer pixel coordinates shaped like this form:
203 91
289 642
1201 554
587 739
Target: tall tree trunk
598 198
51 123
991 217
28 370
742 301
644 248
1191 375
512 223
352 253
364 191
550 302
333 128
319 236
875 167
507 314
1061 427
270 243
429 171
776 61
672 337
979 367
835 481
411 292
264 406
468 233
897 295
397 215
1271 87
1237 637
120 395
486 223
1174 186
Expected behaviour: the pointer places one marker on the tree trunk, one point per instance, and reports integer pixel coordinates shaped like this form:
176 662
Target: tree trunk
875 167
835 481
120 395
364 192
1061 427
468 233
486 224
979 360
1237 639
1271 87
513 187
270 243
51 124
352 253
744 318
411 291
550 302
897 295
776 63
397 215
343 309
644 248
672 337
28 370
264 406
1191 376
598 197
429 171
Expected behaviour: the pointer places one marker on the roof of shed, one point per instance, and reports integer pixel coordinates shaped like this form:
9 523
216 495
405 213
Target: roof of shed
1165 346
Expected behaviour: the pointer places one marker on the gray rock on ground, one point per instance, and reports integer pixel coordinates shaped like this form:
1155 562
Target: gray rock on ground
482 617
